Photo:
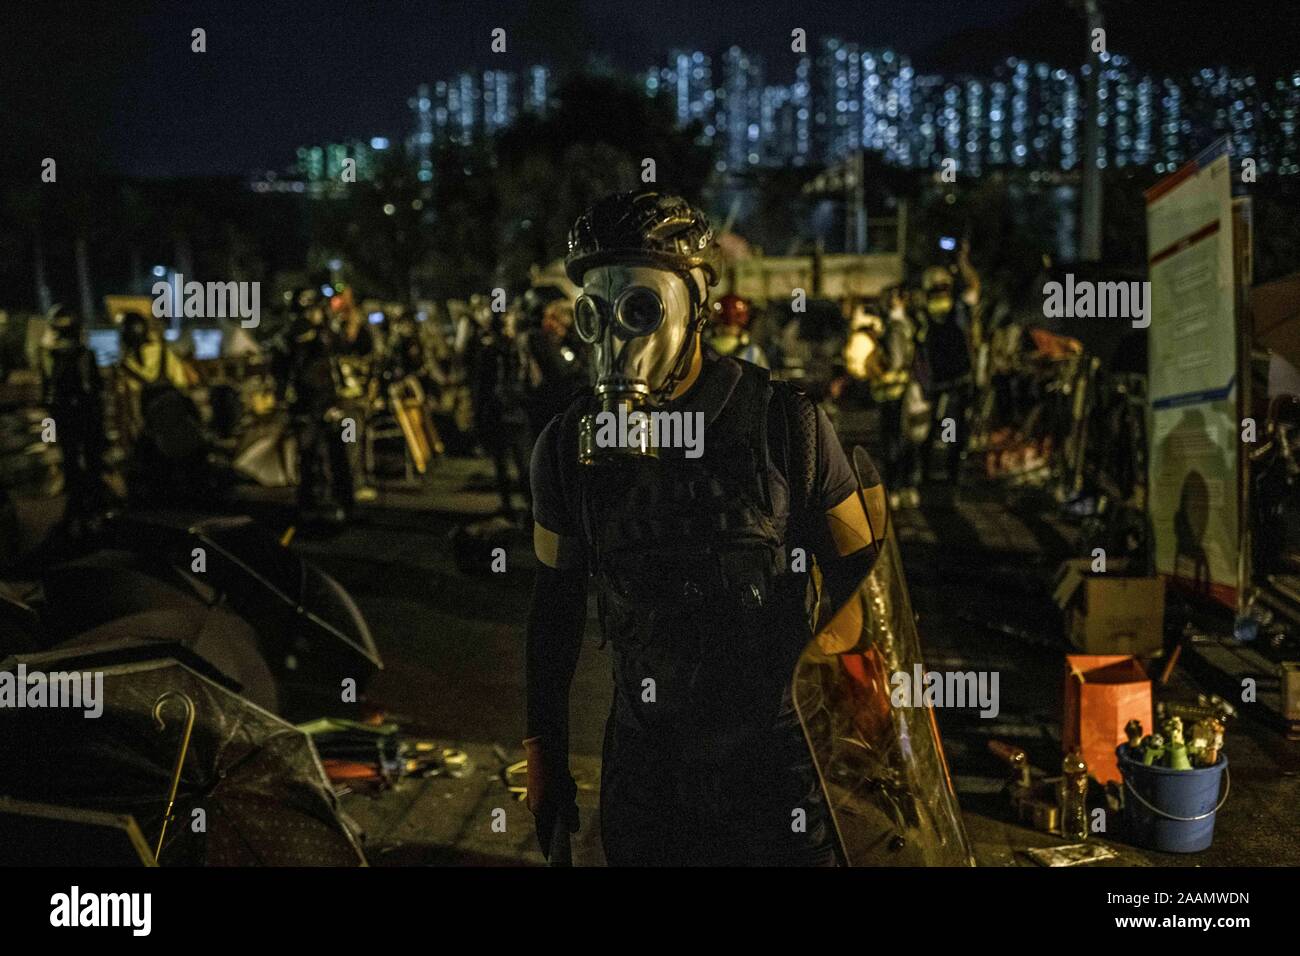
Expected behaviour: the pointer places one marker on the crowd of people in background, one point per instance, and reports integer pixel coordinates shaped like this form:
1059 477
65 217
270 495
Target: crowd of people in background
487 373
488 377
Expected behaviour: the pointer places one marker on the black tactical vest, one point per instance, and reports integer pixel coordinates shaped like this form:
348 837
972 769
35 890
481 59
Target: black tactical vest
691 564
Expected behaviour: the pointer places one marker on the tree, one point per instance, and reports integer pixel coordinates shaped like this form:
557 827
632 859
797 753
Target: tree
591 143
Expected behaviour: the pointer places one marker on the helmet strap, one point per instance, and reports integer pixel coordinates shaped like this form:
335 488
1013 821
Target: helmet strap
686 354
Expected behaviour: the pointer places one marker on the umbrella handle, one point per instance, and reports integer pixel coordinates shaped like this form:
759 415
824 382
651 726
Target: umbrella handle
158 706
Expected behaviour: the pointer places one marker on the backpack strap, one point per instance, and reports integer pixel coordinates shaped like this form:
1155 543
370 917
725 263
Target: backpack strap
746 421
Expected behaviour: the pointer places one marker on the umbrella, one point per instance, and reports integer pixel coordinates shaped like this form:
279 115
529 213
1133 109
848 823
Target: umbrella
224 646
20 625
269 457
111 596
39 833
305 620
257 780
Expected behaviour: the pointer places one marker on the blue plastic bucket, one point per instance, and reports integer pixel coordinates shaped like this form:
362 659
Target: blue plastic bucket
1172 810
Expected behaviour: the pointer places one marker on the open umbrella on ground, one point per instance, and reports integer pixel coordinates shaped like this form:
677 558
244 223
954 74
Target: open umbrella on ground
268 456
40 834
305 620
20 625
215 637
112 596
251 790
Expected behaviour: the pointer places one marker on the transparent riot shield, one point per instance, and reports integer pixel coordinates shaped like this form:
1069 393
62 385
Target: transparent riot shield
881 766
422 439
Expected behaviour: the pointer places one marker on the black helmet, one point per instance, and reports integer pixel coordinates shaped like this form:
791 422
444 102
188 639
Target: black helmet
642 227
135 329
65 323
303 298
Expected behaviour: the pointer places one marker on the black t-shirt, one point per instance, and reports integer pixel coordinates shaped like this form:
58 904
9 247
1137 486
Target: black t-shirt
73 380
946 347
361 346
555 471
309 365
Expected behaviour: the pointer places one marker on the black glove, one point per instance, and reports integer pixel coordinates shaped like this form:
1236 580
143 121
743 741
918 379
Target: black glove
552 794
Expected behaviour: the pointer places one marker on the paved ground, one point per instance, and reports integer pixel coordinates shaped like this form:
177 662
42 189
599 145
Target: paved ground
979 567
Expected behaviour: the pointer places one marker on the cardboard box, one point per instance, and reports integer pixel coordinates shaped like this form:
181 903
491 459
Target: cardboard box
1290 674
1103 692
1111 614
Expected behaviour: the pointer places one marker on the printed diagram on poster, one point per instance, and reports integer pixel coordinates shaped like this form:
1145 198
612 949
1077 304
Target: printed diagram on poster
1193 388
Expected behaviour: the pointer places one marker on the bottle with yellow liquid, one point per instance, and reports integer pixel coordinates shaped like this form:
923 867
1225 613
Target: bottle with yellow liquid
1074 797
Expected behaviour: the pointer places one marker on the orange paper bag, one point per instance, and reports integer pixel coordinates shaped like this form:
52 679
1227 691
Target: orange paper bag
1103 692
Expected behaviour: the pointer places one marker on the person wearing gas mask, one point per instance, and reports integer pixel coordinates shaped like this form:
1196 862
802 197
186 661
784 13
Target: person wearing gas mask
159 421
73 392
147 369
728 332
307 377
500 415
705 611
949 300
552 357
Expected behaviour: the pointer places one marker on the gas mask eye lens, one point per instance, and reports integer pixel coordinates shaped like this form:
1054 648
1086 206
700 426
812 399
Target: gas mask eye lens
586 319
640 311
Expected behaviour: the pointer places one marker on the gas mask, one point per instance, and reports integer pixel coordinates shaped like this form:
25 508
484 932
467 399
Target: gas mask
938 302
641 323
937 283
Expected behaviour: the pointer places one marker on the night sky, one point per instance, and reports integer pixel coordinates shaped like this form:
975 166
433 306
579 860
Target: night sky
115 81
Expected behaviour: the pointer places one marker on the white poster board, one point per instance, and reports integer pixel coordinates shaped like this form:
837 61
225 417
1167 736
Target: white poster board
1195 423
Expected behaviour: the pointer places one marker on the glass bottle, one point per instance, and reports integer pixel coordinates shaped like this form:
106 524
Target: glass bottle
1074 797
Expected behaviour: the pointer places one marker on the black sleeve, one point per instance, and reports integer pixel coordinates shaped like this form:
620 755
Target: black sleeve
835 478
559 609
554 640
550 507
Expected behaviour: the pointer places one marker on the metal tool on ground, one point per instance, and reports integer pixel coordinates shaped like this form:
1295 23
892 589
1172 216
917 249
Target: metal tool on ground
1034 798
